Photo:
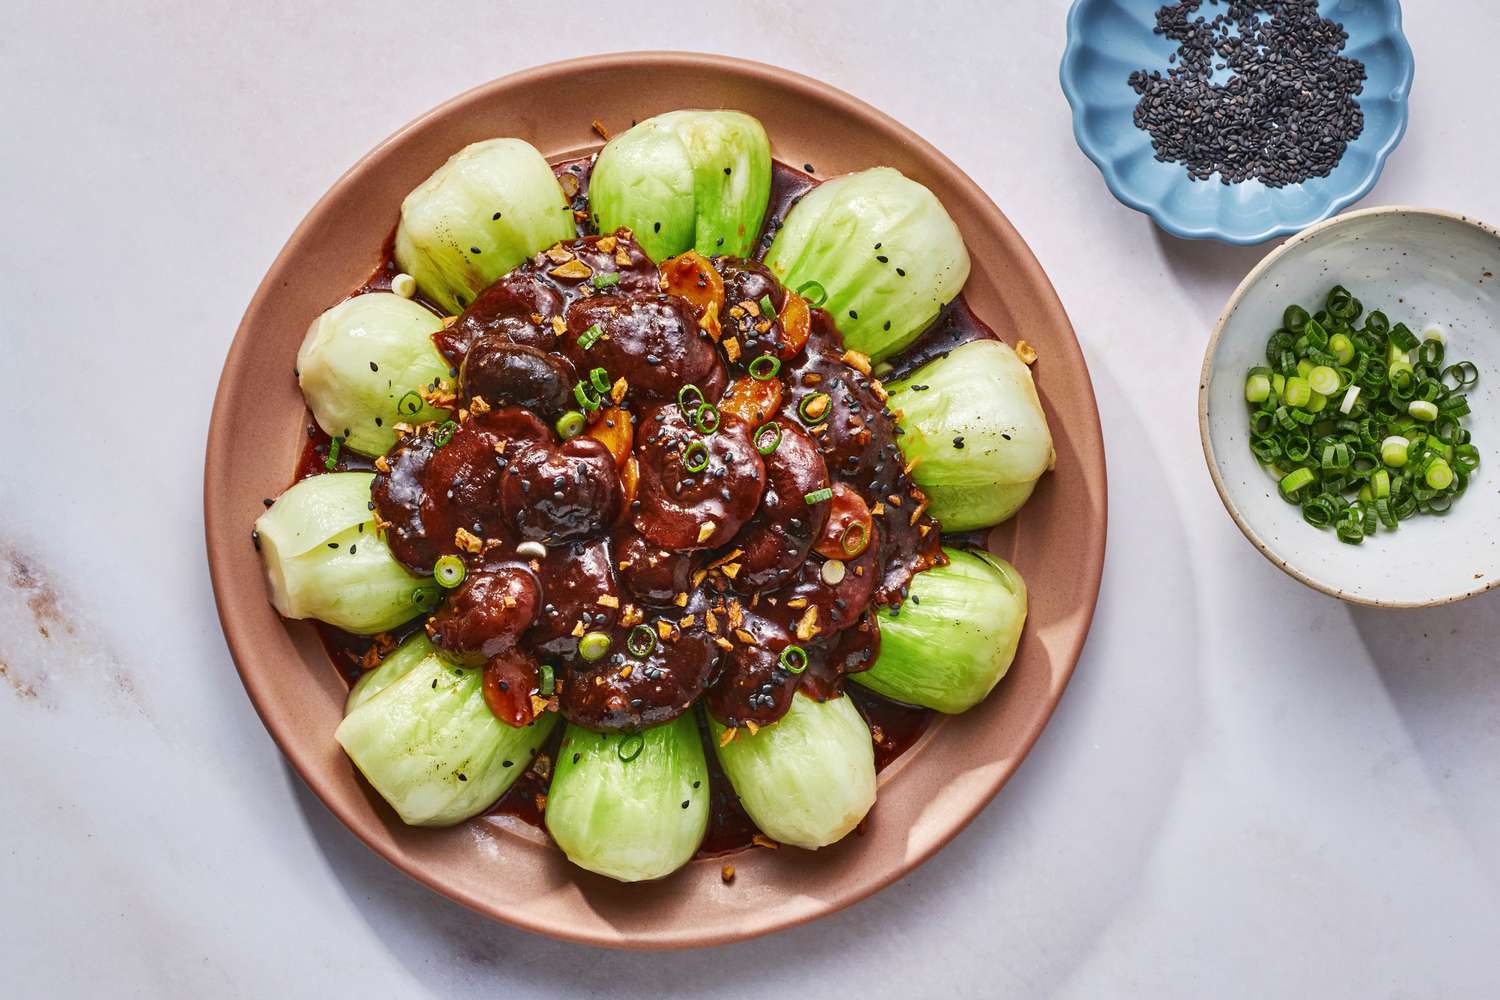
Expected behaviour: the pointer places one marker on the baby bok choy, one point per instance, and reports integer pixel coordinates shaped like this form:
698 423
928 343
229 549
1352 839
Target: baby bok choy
809 778
955 638
324 558
396 665
685 180
878 251
363 366
492 205
428 743
974 429
632 806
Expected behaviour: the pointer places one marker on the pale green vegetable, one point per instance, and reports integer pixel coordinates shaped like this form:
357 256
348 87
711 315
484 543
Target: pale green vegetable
491 206
977 434
956 637
363 365
431 747
324 558
883 251
685 180
808 779
630 806
397 664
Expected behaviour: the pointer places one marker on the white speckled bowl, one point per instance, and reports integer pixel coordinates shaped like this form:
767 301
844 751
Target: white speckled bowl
1419 266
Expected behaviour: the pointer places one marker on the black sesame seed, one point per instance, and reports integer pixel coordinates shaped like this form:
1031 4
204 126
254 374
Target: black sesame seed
474 250
1287 112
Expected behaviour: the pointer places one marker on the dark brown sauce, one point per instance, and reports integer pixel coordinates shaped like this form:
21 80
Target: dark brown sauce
895 727
900 725
527 799
788 185
314 458
955 326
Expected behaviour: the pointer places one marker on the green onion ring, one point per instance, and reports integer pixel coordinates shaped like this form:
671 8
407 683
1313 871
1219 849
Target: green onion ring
695 455
631 746
641 642
587 398
449 571
600 379
593 646
807 401
444 433
804 288
570 424
689 398
410 404
590 337
546 681
764 446
793 659
765 367
706 419
851 543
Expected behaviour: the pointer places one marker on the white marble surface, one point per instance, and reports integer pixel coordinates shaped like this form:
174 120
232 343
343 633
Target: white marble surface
1310 813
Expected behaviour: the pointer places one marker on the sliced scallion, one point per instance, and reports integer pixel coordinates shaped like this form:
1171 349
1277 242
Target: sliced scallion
641 641
793 659
593 646
765 367
571 424
590 337
768 438
695 455
449 571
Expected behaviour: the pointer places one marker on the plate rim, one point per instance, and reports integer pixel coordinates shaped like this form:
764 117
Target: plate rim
219 535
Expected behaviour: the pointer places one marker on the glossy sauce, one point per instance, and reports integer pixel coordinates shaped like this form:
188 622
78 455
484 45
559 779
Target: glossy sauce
895 727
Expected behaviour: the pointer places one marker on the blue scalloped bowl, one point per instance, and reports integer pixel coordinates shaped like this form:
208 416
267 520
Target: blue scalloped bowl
1109 39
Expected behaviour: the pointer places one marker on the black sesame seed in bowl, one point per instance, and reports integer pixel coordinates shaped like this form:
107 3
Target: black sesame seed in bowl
1237 120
